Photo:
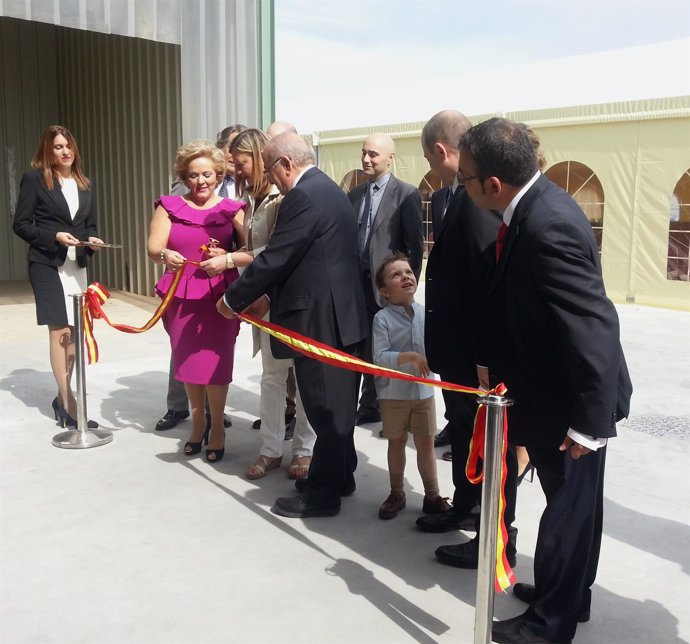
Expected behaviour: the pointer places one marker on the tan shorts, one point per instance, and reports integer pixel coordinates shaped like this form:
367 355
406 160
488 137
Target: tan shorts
416 416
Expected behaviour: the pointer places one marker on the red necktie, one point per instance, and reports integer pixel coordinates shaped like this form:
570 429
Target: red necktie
502 232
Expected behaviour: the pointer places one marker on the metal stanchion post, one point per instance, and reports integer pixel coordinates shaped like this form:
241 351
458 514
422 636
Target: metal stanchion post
82 437
488 528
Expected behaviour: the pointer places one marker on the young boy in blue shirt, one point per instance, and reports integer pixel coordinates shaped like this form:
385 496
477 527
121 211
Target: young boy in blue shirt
398 343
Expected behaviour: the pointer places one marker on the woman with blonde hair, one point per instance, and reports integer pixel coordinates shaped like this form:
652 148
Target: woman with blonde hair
263 203
56 216
185 232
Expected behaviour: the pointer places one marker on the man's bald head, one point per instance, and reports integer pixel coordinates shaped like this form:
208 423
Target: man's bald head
285 157
445 127
280 127
381 141
440 143
378 152
292 146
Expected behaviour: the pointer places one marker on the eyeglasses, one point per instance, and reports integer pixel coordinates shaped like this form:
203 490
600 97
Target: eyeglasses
270 167
464 178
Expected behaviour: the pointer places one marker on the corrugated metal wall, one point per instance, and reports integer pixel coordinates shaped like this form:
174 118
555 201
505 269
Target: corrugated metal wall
28 96
132 79
120 97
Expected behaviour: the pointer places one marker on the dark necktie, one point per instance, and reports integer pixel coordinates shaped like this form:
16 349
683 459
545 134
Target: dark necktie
365 221
500 239
449 198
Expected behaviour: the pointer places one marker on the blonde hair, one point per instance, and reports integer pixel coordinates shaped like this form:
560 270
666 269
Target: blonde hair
199 148
252 142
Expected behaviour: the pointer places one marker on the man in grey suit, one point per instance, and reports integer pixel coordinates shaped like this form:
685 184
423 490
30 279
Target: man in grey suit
389 220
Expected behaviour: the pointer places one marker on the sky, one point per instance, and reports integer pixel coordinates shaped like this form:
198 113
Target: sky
361 63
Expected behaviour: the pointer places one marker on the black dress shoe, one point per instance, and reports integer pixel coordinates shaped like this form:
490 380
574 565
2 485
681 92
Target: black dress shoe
365 416
297 507
227 421
441 439
171 419
463 555
515 631
346 490
446 522
526 593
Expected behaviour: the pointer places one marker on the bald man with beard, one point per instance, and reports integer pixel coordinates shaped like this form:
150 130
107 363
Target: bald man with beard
389 220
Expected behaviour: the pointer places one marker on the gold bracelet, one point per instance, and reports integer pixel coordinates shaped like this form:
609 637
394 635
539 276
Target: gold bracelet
228 261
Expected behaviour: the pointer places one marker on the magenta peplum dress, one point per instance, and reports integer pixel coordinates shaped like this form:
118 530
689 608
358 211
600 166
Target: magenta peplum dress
202 340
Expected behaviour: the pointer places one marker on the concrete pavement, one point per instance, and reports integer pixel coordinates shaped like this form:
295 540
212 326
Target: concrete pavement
135 543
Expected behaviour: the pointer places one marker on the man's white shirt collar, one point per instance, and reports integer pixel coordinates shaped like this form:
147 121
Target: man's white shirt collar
299 176
510 209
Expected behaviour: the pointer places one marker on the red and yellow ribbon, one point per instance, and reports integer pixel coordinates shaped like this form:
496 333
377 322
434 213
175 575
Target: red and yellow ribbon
329 355
505 576
319 351
97 295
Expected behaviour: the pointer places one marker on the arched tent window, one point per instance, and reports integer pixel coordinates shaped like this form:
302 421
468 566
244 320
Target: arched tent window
583 185
352 179
429 184
678 262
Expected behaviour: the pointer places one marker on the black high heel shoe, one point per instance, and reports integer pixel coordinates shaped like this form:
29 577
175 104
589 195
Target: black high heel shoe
191 448
215 455
65 420
529 469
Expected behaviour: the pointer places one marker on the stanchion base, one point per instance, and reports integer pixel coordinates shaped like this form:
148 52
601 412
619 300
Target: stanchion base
74 439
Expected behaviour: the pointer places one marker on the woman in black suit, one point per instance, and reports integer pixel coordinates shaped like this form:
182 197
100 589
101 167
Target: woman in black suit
55 214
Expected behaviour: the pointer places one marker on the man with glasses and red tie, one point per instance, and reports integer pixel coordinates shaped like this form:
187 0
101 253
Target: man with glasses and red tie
551 335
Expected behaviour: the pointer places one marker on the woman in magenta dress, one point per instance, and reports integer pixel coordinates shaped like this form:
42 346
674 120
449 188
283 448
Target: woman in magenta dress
185 231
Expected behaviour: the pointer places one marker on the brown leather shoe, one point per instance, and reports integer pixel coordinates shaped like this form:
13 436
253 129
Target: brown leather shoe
437 505
392 505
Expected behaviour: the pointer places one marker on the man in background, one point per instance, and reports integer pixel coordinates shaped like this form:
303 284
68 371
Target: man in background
389 220
457 272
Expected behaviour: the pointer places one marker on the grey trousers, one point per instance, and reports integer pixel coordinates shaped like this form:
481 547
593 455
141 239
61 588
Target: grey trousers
177 395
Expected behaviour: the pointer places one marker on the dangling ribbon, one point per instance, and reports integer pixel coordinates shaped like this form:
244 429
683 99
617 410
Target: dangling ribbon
504 573
96 295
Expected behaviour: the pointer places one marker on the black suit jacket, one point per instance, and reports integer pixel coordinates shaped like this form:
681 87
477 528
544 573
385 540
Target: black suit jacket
396 228
456 275
552 333
41 213
310 268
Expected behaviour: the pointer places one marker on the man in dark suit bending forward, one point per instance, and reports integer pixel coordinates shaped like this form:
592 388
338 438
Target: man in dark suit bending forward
309 272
